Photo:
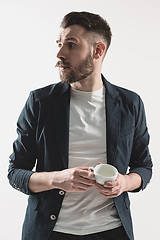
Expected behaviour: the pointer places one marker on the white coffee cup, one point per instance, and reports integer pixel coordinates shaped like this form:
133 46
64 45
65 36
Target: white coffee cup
104 173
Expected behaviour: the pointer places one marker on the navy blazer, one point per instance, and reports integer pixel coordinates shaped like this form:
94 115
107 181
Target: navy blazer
43 139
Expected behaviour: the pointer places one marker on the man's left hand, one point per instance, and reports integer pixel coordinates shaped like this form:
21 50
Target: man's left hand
115 188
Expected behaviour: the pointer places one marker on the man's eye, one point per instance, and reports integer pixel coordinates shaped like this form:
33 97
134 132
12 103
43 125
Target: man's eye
71 45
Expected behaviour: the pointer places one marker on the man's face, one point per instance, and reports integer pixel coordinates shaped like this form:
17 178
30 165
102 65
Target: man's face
76 62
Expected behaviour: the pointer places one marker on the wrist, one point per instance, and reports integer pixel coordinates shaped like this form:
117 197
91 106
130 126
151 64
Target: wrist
55 180
133 181
127 182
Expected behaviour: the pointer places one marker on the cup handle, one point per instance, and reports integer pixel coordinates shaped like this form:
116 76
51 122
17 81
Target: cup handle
91 169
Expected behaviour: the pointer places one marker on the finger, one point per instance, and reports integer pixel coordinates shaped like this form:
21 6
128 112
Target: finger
84 186
83 180
111 184
103 189
81 187
110 191
100 187
86 174
86 181
109 195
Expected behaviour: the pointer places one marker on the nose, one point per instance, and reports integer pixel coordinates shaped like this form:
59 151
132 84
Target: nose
61 54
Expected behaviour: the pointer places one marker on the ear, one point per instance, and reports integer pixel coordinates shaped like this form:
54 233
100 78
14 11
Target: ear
99 50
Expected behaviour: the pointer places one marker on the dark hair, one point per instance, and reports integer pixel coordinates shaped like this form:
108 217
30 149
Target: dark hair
91 22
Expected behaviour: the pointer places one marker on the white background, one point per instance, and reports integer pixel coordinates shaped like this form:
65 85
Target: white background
28 31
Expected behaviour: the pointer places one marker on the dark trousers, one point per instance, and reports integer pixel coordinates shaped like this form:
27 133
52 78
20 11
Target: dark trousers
114 234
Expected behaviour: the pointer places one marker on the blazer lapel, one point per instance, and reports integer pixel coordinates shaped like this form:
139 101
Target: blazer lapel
112 120
61 108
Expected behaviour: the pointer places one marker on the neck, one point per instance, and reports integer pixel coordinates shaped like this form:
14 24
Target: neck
90 84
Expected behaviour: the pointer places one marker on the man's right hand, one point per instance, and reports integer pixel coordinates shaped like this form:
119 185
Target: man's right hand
77 179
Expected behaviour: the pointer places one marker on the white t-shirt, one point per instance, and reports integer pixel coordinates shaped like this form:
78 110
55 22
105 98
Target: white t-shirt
87 212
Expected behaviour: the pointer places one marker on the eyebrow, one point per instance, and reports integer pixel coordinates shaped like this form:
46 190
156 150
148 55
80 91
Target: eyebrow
68 39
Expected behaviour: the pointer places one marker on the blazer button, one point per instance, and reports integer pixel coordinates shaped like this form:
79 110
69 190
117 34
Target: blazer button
61 192
53 217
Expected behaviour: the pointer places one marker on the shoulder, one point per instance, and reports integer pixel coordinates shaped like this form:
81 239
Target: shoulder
44 92
48 92
127 95
121 94
115 91
129 100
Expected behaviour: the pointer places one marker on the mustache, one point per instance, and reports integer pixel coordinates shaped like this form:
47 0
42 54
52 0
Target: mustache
62 63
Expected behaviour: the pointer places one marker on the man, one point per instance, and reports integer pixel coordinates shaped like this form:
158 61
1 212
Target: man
67 127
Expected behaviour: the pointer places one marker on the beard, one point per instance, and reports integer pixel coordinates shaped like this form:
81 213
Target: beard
84 69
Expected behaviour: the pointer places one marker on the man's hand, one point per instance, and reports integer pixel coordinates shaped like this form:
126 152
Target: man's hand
77 179
123 183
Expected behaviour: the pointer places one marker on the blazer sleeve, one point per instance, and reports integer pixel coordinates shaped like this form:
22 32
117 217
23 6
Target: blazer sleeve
23 158
141 162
